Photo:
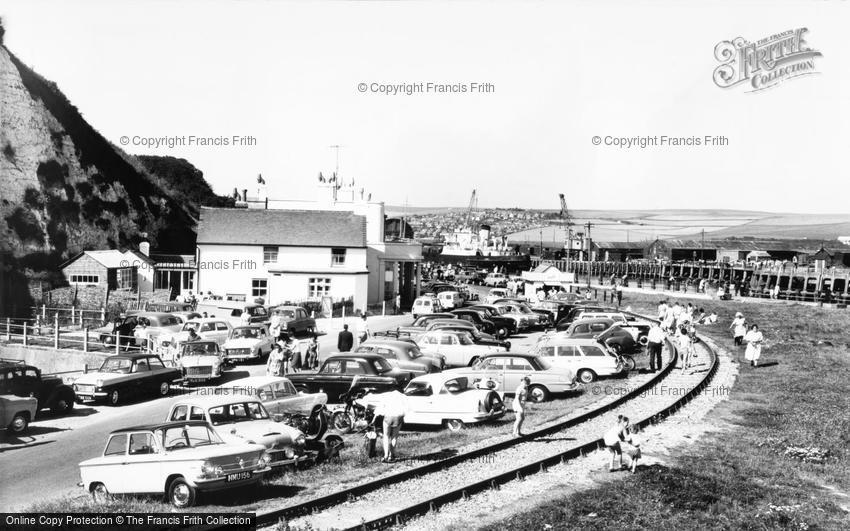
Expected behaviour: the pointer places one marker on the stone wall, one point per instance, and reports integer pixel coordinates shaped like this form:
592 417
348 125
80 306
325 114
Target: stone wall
51 360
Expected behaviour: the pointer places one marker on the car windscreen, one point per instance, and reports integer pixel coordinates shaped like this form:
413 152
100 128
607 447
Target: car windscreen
191 326
237 412
189 436
289 314
120 365
464 339
199 349
381 365
414 353
251 333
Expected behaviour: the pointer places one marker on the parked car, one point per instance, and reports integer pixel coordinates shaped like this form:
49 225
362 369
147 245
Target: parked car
457 347
532 319
238 418
420 323
124 375
465 276
169 346
183 310
459 325
337 372
200 361
496 280
477 317
496 294
577 311
450 300
249 314
557 309
505 326
16 412
140 328
175 459
425 305
251 342
587 358
23 380
507 369
292 319
607 330
443 399
406 355
521 323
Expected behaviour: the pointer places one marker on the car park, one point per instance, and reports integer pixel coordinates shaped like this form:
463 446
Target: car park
457 347
506 370
200 361
449 400
406 356
16 413
587 358
238 418
245 343
20 379
125 375
293 320
175 459
338 371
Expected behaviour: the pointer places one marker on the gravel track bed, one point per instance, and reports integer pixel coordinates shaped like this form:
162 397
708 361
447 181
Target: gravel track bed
400 495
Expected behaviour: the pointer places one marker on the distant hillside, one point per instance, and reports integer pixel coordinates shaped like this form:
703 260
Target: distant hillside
65 188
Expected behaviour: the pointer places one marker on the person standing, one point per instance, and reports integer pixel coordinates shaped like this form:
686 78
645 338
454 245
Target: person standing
313 354
618 289
754 339
345 340
655 337
662 310
613 437
274 365
739 328
392 409
686 347
364 332
520 405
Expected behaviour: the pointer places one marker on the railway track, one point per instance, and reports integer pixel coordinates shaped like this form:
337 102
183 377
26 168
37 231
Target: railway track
416 491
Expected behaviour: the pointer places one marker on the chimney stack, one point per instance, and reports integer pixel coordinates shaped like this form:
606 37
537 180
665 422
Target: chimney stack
145 248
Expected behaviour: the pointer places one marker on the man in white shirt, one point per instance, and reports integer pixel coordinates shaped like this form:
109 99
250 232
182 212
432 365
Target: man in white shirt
655 338
392 407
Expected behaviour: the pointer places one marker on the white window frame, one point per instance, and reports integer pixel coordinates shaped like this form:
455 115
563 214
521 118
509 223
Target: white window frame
268 252
338 255
318 287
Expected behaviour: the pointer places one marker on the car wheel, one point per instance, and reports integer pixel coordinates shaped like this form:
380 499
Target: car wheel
99 493
538 394
586 376
164 388
628 363
62 405
19 424
114 398
341 421
181 494
454 425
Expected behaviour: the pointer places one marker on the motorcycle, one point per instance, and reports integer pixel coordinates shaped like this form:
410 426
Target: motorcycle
313 426
352 417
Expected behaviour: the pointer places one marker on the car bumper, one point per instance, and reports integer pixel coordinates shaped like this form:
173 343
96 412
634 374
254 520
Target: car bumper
307 459
562 387
221 483
241 357
91 397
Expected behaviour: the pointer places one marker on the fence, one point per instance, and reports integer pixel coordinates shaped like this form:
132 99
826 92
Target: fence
37 333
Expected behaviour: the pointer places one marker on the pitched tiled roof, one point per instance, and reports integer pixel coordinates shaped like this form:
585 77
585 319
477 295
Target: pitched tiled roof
297 228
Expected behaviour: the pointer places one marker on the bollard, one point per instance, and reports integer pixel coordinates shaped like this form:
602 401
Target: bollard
8 329
55 337
117 343
25 333
73 315
85 340
384 308
44 311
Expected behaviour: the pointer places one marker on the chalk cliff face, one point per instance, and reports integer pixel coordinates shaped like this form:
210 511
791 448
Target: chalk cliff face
64 188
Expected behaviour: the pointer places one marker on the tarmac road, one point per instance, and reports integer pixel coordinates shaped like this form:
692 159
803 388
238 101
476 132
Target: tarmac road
43 463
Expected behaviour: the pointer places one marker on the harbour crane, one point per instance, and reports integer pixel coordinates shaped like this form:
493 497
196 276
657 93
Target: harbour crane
473 204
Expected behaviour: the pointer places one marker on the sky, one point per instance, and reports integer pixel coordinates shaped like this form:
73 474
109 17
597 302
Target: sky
552 75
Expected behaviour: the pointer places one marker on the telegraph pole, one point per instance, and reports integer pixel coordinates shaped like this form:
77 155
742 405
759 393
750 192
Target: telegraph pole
589 257
336 147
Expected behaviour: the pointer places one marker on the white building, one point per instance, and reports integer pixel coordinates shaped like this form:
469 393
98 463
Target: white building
393 260
282 255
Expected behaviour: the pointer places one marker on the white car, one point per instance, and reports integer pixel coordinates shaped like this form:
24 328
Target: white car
457 347
497 280
443 399
586 357
250 342
200 361
532 319
177 459
238 419
496 294
276 393
506 370
450 300
208 328
425 305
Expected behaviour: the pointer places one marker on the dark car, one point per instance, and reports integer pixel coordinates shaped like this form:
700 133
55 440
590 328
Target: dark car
477 318
557 310
505 326
607 330
19 379
257 313
292 319
421 322
338 371
135 374
404 354
574 314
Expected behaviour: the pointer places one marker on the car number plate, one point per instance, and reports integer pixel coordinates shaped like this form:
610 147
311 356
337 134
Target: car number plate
239 476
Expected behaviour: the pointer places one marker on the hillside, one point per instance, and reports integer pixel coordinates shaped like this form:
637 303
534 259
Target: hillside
64 188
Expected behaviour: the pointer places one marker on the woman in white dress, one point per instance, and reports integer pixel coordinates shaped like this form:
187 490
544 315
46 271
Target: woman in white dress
754 339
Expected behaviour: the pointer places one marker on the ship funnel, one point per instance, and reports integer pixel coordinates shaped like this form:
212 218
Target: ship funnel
484 233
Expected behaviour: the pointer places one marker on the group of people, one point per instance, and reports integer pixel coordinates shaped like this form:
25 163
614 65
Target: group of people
286 356
679 321
742 332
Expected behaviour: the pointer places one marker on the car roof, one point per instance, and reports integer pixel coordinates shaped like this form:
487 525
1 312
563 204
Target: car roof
132 355
151 314
207 400
5 364
207 320
510 354
438 378
200 342
388 342
364 355
605 320
286 307
252 325
253 381
563 340
161 425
